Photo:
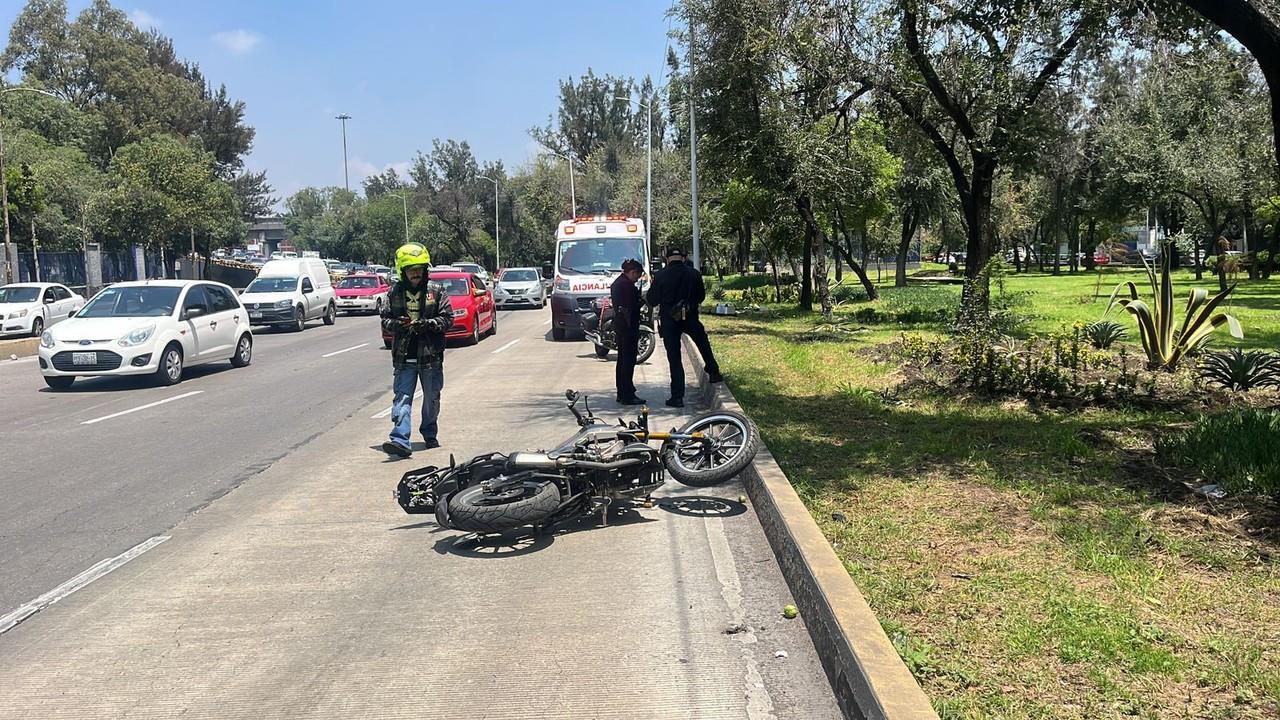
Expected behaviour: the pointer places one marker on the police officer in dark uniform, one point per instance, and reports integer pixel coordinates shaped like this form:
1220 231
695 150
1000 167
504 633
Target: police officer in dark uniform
677 291
626 329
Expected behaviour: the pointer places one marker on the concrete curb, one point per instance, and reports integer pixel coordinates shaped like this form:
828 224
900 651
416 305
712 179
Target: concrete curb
22 348
868 677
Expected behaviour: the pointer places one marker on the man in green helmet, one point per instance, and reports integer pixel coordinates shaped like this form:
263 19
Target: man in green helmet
417 314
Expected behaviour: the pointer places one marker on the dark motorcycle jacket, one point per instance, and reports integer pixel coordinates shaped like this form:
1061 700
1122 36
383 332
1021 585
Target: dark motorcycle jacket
626 306
423 340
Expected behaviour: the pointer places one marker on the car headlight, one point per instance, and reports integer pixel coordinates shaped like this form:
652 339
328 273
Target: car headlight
459 313
137 337
18 314
561 284
284 303
46 339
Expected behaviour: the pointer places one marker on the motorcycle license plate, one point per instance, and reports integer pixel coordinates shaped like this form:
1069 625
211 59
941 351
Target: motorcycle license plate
84 358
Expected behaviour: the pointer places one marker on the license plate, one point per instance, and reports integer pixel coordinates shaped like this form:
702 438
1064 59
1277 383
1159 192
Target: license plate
84 358
255 316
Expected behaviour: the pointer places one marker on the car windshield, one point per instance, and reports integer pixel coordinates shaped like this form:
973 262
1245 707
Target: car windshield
358 282
453 286
132 302
272 284
19 294
519 276
597 255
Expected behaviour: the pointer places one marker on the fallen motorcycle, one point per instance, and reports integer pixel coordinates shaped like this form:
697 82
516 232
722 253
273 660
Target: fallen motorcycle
597 323
601 467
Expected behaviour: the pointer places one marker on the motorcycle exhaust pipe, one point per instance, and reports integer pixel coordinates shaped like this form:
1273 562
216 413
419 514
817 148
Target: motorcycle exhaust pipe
626 462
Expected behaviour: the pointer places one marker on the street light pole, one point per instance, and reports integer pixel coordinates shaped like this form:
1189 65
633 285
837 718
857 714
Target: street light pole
693 155
497 244
10 263
346 180
573 197
648 169
405 201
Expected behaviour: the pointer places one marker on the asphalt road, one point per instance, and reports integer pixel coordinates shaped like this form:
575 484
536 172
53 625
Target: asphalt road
306 592
77 493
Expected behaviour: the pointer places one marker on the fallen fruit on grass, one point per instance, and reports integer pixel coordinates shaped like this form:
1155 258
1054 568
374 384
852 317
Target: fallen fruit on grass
790 612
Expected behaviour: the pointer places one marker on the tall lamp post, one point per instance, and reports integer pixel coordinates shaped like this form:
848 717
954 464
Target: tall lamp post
573 196
648 167
346 180
404 200
497 244
10 256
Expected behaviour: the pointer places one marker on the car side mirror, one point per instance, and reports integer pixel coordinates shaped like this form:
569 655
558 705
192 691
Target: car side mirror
50 301
192 313
307 290
480 291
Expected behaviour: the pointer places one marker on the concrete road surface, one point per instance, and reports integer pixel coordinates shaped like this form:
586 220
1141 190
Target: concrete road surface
291 585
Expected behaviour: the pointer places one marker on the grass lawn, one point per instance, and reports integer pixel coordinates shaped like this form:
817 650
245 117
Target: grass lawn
1027 562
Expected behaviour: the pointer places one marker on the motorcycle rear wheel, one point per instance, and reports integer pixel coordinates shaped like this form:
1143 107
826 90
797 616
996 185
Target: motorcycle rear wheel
734 443
474 511
602 351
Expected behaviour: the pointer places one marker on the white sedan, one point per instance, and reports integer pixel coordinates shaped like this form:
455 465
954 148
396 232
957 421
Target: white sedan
30 308
153 327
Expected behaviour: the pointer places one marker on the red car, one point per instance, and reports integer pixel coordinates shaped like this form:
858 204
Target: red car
474 312
361 292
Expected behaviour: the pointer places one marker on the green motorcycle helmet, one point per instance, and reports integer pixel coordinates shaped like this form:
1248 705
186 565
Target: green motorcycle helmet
411 254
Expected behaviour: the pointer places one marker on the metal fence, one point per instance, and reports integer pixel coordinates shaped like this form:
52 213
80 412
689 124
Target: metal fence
68 268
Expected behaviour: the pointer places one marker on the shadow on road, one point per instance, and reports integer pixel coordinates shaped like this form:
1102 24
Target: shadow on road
510 544
122 383
702 506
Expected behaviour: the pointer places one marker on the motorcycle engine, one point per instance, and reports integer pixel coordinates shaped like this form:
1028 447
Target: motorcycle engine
640 480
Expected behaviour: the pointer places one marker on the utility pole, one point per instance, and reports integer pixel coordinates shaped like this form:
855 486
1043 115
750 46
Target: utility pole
648 171
9 263
573 196
693 155
497 244
346 180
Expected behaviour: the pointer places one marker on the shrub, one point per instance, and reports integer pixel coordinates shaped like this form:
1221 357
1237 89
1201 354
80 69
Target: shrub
789 293
841 294
718 293
1237 369
1103 333
1239 450
1165 347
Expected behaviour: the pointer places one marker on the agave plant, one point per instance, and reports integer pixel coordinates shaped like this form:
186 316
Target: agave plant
1164 345
1103 333
1237 369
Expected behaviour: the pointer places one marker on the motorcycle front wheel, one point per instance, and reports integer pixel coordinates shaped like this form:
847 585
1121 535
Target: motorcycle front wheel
474 510
732 443
646 346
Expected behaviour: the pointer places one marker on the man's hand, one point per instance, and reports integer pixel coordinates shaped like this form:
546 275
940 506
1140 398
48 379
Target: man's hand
404 321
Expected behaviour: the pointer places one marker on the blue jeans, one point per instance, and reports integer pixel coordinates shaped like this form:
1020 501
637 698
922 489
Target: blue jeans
405 383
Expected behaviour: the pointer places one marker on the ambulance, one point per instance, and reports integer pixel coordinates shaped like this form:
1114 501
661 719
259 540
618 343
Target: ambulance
589 256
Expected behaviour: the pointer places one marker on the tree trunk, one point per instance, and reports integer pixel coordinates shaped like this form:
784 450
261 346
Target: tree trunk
811 226
839 265
1038 235
1275 249
820 280
976 296
806 280
1091 245
904 247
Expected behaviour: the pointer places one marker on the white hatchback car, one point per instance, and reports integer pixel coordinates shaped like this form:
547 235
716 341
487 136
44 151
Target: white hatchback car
153 327
29 308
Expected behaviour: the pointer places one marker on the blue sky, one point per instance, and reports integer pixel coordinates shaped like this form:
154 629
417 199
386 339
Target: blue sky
482 71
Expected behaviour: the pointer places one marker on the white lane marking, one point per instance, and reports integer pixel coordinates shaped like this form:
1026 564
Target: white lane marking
387 412
142 407
10 621
504 347
339 352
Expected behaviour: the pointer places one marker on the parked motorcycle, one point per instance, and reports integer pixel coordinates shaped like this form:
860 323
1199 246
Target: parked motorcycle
600 467
598 326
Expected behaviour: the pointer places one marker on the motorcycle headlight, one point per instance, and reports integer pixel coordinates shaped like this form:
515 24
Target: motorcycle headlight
284 303
18 314
137 337
46 340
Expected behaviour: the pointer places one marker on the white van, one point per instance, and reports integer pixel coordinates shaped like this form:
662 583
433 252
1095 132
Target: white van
288 293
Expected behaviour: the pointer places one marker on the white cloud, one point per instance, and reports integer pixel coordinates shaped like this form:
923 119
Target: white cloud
238 41
144 19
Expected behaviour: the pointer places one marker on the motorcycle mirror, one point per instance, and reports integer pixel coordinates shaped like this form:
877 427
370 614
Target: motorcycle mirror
570 395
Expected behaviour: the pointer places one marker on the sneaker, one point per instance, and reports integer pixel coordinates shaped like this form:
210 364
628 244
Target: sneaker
715 378
675 402
395 448
431 443
633 401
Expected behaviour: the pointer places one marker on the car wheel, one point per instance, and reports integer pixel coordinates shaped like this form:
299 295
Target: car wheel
557 334
59 382
330 315
244 352
37 327
170 370
493 326
378 309
299 319
475 332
